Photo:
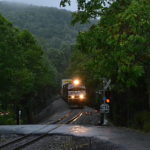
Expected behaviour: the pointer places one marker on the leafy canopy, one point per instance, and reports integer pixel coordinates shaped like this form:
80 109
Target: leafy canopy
88 9
23 71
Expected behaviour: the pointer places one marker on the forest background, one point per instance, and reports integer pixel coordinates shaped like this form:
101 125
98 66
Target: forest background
117 48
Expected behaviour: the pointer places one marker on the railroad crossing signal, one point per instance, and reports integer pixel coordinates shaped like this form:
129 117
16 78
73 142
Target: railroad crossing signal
106 100
107 84
104 108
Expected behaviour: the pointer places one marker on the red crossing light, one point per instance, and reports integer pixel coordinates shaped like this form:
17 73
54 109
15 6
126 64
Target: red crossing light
107 100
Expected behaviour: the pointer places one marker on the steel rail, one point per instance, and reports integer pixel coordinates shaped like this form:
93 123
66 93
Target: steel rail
30 134
46 134
40 136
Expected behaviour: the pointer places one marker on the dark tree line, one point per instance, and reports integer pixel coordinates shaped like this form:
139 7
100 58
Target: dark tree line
51 26
24 73
117 48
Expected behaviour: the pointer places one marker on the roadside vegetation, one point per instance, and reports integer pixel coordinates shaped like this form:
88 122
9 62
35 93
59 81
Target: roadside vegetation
51 27
32 65
117 48
24 74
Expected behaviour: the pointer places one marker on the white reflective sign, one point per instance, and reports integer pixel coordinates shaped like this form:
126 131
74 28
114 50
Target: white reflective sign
104 108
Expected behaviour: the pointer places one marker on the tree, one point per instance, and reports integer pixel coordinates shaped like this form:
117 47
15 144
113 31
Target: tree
117 48
88 9
23 71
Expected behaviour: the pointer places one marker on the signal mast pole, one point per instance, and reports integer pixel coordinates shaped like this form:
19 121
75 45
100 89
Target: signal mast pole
104 108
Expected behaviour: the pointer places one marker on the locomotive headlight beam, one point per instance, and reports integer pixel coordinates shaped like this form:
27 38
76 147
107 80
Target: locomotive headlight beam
72 96
76 82
81 96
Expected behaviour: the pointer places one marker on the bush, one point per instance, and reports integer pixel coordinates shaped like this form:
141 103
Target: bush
142 121
7 119
146 118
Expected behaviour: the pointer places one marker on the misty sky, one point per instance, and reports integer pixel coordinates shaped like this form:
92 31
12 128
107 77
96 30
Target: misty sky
50 3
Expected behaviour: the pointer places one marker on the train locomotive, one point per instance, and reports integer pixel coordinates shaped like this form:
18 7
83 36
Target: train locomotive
74 92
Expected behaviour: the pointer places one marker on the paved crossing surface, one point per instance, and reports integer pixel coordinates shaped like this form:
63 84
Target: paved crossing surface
121 137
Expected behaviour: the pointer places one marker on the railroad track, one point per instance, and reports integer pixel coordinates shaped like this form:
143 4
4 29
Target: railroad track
26 140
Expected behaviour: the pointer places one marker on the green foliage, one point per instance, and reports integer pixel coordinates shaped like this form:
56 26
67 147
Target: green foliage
23 70
118 49
87 9
142 121
7 119
51 26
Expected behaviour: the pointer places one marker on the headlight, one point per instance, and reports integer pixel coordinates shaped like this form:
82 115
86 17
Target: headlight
76 82
81 96
72 96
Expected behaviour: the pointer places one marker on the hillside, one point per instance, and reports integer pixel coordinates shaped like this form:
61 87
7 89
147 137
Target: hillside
51 26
